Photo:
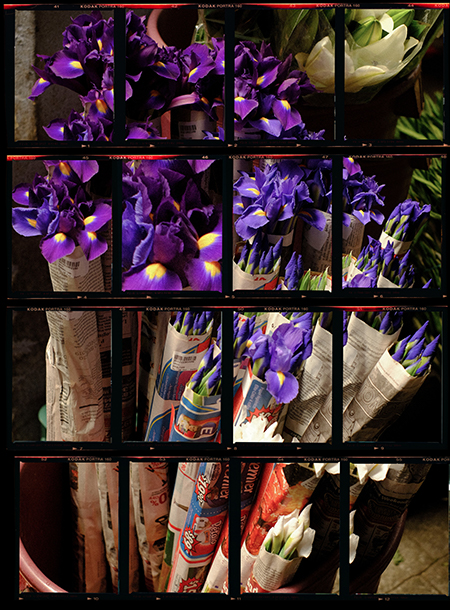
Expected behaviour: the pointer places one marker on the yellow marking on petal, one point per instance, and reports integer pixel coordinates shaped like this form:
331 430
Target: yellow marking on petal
89 219
92 235
100 44
160 64
102 106
260 213
177 205
286 104
281 377
60 237
254 190
213 268
207 239
155 270
32 222
260 79
351 159
42 80
264 119
193 71
65 169
239 98
204 100
154 93
76 64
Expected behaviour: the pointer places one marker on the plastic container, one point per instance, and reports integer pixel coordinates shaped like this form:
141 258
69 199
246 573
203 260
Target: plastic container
44 535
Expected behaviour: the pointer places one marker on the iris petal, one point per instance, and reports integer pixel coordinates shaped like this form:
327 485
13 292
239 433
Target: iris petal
283 386
204 275
210 246
151 277
39 87
66 66
92 244
56 246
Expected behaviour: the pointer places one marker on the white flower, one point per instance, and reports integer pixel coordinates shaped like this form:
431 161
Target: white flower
256 431
364 66
354 539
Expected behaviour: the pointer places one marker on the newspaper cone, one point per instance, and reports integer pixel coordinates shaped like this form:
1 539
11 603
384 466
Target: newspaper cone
202 529
181 357
283 488
150 492
315 381
181 499
90 567
381 400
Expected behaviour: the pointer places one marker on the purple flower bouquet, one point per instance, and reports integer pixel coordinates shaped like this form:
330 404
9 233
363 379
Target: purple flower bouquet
171 227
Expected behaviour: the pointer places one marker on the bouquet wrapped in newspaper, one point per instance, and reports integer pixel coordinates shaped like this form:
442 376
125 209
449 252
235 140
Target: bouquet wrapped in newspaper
381 505
283 548
187 341
389 387
315 380
150 500
90 564
73 225
283 488
270 380
205 517
257 266
198 414
108 488
368 336
217 579
185 478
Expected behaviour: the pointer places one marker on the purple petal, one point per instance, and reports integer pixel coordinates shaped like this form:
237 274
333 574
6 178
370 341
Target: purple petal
39 87
204 275
283 386
92 244
151 277
54 247
66 65
287 115
210 246
243 107
56 129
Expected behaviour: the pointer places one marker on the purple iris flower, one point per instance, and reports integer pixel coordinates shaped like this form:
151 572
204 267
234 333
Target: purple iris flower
171 231
60 209
267 91
272 199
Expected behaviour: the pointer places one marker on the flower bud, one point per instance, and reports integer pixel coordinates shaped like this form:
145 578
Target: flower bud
401 16
368 31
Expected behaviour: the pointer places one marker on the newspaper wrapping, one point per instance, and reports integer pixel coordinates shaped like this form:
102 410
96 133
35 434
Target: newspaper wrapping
198 418
315 380
382 398
181 498
204 522
108 482
316 246
365 346
217 579
247 281
74 378
73 364
90 569
400 247
150 493
108 510
253 399
270 572
181 357
380 506
352 237
283 488
153 337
